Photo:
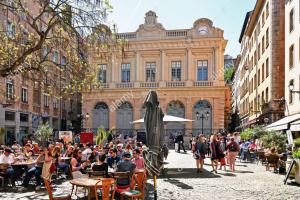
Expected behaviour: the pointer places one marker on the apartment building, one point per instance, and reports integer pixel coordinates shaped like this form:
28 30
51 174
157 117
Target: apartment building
184 66
30 99
262 64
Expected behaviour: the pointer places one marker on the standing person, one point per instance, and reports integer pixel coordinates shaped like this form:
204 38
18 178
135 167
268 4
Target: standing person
180 142
215 152
233 149
199 152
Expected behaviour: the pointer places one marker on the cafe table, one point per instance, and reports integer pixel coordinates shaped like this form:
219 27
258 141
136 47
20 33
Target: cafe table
26 163
86 183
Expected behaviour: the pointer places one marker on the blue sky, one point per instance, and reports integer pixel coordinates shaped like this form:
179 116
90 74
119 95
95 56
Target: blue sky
176 14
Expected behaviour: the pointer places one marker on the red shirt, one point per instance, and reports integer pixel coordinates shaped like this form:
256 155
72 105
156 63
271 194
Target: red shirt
139 162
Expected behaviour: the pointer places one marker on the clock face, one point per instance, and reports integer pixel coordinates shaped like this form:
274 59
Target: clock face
203 30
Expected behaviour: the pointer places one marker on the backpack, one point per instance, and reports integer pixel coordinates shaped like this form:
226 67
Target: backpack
232 148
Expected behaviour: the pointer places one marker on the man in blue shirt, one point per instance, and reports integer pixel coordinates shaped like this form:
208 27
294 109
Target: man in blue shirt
113 159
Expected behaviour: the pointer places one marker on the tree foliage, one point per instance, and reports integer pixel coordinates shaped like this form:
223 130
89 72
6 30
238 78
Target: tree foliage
228 73
102 134
43 133
48 42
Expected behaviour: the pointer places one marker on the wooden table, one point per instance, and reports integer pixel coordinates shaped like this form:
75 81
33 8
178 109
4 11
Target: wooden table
23 163
86 183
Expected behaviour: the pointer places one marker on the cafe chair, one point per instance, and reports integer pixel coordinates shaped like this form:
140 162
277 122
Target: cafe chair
107 189
138 191
123 175
55 196
97 174
272 161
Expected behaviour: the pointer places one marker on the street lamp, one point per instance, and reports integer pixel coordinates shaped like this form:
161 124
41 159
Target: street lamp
86 120
291 88
202 117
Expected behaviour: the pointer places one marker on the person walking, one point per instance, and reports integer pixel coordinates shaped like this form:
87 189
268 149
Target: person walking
200 150
180 142
233 149
215 152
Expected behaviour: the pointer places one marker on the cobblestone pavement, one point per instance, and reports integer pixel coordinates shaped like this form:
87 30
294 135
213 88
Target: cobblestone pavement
180 181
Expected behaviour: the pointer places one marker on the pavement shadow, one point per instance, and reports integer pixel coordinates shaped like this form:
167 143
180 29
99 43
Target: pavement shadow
179 184
243 172
186 173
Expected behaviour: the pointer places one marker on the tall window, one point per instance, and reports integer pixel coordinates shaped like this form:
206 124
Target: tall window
263 45
202 70
176 70
46 100
255 81
267 38
63 61
291 56
10 90
11 29
291 20
258 77
258 51
102 73
55 103
267 67
263 98
290 92
150 71
24 95
125 72
267 10
263 19
55 57
267 95
263 73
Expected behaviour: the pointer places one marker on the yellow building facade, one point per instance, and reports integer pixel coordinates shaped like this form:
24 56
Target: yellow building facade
185 67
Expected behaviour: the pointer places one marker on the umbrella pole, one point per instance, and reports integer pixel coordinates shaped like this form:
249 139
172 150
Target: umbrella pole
155 185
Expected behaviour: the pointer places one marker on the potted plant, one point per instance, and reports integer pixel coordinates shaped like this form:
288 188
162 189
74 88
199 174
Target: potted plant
102 134
296 156
43 133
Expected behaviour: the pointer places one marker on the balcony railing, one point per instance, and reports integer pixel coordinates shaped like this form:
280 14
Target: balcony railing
176 33
149 85
203 84
161 84
173 84
126 36
125 85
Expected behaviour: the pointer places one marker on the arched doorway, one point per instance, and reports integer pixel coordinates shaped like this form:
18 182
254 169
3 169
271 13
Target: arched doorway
175 108
100 116
124 115
202 116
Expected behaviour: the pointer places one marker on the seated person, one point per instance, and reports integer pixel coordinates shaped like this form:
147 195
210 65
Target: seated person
100 165
252 147
8 158
113 159
125 165
94 156
120 149
44 156
76 164
137 159
28 152
272 151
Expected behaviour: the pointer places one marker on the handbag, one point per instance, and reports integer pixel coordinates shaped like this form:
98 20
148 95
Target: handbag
196 155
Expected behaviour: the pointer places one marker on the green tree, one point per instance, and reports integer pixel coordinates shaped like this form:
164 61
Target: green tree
228 73
2 135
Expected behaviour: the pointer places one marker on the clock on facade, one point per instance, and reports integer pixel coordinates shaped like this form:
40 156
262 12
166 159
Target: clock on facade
203 30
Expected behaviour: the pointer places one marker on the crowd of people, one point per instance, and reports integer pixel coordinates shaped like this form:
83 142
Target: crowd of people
221 149
67 158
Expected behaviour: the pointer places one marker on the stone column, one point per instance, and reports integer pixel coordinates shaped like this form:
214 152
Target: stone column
162 65
189 112
187 53
2 116
137 66
191 66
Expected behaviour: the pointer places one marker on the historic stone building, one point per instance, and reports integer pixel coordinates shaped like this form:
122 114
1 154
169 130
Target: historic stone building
261 67
185 67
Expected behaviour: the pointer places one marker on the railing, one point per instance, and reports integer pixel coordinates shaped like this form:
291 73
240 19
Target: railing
126 36
149 85
175 84
176 33
203 84
124 85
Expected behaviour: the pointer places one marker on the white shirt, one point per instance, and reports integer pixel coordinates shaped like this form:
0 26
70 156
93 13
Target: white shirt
7 159
86 153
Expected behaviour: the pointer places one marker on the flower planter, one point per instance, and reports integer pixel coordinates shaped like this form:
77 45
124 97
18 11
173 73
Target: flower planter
297 171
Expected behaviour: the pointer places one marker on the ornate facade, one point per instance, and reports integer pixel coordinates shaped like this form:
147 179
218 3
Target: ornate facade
185 67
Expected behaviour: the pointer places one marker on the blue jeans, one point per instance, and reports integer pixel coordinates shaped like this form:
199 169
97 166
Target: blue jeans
11 175
63 166
36 171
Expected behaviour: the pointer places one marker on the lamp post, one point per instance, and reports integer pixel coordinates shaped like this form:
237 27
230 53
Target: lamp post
202 117
292 87
86 120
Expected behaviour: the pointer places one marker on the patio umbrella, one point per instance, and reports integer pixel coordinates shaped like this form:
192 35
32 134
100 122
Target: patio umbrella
154 136
166 118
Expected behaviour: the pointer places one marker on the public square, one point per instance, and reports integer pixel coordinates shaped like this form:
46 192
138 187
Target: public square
180 182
